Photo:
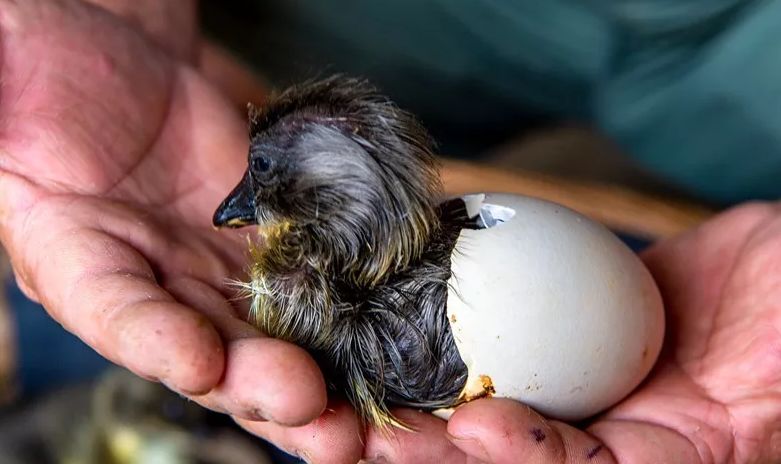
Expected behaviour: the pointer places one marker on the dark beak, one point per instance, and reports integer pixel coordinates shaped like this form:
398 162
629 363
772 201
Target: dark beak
238 209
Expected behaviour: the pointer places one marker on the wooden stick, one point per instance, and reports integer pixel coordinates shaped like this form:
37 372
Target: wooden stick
619 208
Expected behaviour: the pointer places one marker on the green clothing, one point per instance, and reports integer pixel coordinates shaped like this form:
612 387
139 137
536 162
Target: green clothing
689 88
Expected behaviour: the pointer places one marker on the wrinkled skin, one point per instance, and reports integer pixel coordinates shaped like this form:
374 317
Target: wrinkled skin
113 156
114 152
715 394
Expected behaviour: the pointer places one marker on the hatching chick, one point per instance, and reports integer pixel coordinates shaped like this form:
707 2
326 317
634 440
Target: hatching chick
356 253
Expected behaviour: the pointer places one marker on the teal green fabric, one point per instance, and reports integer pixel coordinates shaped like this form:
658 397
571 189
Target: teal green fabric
690 88
700 101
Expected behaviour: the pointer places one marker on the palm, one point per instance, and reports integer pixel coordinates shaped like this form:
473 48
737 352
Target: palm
137 127
718 383
112 159
114 156
715 393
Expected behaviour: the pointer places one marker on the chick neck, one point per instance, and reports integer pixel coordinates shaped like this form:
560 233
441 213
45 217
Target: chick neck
348 254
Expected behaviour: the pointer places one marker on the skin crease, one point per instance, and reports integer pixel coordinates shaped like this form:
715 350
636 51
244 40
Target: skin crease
113 155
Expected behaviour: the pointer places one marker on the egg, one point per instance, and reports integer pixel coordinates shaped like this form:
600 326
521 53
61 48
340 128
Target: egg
549 308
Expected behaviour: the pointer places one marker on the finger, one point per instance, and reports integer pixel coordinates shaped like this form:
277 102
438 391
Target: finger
269 379
104 292
210 302
21 284
335 437
16 196
129 319
503 431
100 288
709 249
171 25
709 252
641 442
264 379
427 443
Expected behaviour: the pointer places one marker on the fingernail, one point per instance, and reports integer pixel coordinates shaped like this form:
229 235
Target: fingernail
153 379
374 460
181 391
471 446
257 415
303 455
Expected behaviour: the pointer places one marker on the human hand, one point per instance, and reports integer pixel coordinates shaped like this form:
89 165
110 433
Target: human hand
713 397
170 24
113 156
715 393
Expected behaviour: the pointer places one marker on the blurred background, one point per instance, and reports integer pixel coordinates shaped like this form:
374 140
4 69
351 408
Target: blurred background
648 115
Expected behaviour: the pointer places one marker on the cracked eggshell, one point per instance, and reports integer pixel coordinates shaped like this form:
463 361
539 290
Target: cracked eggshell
550 308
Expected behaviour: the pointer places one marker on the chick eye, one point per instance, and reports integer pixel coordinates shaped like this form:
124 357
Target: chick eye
261 164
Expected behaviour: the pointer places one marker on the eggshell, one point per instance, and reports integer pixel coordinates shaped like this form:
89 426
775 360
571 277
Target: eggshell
551 309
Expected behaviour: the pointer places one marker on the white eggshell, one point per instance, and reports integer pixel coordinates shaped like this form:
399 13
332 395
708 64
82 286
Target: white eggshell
551 308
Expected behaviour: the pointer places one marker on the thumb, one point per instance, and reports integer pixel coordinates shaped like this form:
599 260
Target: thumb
500 431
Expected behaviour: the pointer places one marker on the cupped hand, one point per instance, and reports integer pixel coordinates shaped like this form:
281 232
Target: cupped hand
114 153
713 397
715 393
113 156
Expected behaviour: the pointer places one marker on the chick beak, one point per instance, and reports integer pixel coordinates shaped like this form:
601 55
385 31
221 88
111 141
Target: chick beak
238 209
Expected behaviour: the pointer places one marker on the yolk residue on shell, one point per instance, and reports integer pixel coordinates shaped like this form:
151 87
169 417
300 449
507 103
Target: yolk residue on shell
487 390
